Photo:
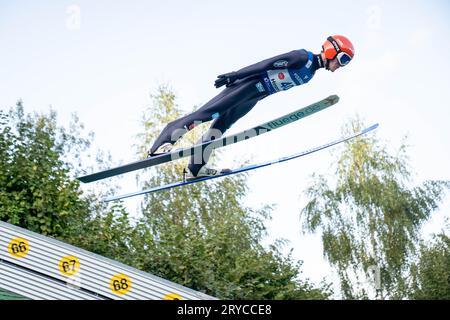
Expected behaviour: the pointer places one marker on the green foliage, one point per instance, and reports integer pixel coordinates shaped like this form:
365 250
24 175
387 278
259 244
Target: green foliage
201 236
370 216
36 191
431 275
108 232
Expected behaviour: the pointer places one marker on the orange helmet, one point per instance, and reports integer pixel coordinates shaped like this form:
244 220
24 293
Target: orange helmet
338 46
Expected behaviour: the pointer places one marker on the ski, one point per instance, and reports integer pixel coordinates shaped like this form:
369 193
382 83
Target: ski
221 142
244 168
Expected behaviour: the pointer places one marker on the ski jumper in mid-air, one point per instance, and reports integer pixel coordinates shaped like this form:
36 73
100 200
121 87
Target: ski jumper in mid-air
244 88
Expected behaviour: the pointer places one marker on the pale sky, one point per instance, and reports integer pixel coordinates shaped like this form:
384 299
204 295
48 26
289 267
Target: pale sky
101 59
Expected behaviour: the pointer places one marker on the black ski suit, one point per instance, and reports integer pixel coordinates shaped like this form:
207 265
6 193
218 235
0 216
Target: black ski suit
244 89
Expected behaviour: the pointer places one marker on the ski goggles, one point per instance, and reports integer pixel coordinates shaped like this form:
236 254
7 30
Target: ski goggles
343 58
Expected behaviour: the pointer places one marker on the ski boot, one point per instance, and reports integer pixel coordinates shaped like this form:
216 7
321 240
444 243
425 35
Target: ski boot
204 172
164 148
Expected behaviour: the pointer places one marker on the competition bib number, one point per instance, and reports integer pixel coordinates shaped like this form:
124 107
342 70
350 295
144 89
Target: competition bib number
280 79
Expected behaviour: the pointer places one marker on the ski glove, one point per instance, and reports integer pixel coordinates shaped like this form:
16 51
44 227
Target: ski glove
226 79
